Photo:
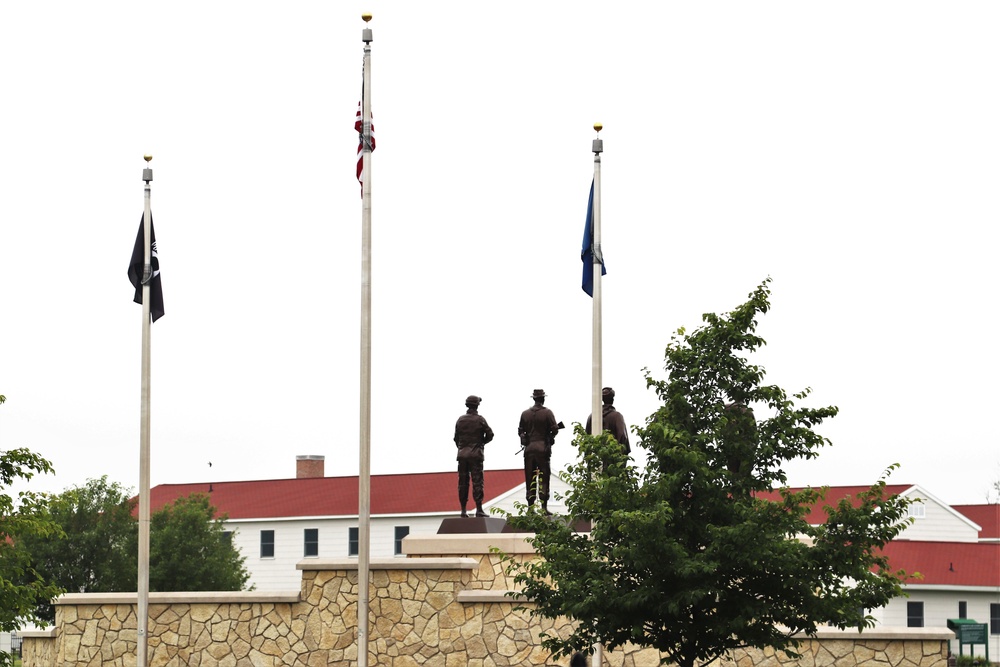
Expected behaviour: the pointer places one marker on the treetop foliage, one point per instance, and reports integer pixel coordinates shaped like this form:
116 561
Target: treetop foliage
22 517
191 551
686 554
96 550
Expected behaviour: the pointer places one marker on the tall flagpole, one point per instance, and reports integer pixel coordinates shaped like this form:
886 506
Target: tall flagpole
596 409
142 613
364 472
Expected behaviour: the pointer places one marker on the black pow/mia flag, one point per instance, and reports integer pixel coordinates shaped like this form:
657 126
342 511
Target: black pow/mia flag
135 272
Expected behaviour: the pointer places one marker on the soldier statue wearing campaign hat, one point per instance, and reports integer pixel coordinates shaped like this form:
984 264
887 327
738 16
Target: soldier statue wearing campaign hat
612 419
471 435
537 430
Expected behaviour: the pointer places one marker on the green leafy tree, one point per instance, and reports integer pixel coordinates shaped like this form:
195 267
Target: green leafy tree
95 551
190 550
692 554
22 588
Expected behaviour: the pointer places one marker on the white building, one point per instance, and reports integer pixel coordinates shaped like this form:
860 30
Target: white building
953 556
276 523
956 550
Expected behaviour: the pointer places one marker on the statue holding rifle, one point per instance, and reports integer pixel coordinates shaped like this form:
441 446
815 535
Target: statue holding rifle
537 430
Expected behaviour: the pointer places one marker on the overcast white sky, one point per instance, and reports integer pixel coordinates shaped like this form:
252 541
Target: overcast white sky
847 150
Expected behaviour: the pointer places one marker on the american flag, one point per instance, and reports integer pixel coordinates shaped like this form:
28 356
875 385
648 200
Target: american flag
358 127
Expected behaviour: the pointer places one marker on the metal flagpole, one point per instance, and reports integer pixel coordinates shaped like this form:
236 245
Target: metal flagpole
364 472
142 612
596 409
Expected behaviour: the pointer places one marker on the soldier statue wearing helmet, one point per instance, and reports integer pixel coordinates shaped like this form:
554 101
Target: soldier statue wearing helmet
471 435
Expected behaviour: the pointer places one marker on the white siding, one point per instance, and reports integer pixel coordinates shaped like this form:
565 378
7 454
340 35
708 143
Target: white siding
940 523
279 573
939 606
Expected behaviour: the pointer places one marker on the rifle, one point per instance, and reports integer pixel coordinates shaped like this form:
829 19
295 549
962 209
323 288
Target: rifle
551 440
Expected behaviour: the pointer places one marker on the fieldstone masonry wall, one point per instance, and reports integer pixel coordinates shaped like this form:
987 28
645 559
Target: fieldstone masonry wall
430 609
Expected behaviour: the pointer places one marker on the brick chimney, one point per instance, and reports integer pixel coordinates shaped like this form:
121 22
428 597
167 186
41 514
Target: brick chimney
308 466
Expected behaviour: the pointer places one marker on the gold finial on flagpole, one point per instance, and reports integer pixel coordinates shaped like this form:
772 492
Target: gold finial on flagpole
598 127
366 34
147 157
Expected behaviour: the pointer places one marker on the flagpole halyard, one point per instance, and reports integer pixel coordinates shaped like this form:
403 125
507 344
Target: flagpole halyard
142 611
364 472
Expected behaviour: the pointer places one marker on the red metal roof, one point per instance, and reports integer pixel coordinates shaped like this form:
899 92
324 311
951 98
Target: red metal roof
947 563
833 496
987 516
336 496
940 563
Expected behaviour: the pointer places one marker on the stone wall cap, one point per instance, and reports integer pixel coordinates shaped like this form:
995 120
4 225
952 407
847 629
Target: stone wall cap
491 596
44 634
885 632
199 597
470 543
351 564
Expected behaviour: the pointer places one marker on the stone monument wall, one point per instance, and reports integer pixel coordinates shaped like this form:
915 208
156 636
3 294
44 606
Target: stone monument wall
431 609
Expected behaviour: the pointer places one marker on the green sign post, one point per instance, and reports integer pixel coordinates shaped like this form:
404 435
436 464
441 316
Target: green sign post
968 631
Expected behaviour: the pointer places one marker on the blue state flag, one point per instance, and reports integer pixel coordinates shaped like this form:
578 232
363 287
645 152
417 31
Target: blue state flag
587 253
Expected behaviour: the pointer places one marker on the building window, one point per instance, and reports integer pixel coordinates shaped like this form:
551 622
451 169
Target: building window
227 537
963 609
914 614
916 510
352 541
401 532
311 542
994 618
267 544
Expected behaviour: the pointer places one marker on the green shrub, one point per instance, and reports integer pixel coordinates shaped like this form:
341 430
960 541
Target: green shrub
972 661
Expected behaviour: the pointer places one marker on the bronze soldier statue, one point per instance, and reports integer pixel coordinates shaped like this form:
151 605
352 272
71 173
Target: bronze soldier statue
537 430
471 435
612 419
